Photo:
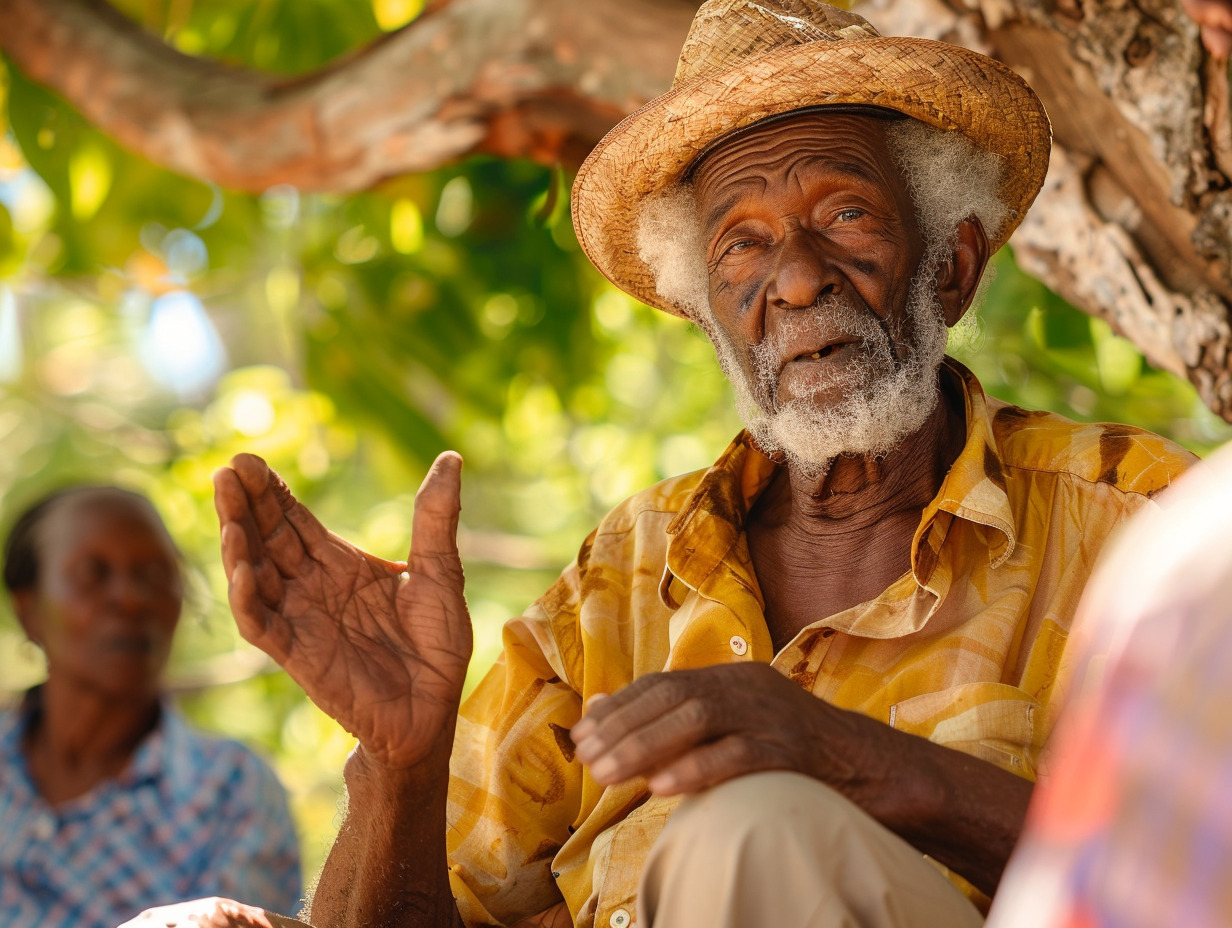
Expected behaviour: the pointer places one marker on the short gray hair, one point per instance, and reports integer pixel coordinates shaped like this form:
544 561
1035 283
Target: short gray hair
949 177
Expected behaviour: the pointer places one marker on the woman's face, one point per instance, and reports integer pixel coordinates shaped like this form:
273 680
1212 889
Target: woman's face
108 596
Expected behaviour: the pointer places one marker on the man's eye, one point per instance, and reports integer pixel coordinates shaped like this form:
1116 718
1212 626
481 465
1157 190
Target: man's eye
850 215
736 247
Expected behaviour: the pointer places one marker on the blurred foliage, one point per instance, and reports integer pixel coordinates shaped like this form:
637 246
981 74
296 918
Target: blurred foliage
151 326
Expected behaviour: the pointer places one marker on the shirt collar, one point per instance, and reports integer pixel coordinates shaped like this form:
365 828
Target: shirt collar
975 488
709 530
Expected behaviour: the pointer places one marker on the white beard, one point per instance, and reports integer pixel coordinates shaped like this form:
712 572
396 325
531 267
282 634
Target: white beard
884 398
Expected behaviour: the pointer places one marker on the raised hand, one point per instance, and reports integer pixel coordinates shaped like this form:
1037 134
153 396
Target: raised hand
379 645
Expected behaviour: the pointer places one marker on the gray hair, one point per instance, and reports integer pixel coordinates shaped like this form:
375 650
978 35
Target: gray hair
949 177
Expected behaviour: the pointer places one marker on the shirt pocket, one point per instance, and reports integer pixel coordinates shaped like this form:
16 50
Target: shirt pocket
995 722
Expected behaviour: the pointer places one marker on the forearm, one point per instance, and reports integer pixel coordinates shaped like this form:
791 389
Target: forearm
388 864
961 811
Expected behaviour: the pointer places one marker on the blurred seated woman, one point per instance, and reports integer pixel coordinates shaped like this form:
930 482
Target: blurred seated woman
108 803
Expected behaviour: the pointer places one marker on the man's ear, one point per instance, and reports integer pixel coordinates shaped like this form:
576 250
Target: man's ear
959 274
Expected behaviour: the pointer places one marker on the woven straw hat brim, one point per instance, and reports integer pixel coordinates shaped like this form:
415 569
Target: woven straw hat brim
943 85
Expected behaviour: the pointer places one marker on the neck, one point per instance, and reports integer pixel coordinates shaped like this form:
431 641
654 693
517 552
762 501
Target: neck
857 492
81 737
824 543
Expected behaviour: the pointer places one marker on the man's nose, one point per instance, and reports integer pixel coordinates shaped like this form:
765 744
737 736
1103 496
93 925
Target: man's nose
803 272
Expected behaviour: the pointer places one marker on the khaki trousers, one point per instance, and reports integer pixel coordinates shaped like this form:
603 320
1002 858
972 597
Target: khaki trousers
781 850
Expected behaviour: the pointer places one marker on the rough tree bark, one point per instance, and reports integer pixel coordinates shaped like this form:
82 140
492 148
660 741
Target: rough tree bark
1134 225
537 78
1135 222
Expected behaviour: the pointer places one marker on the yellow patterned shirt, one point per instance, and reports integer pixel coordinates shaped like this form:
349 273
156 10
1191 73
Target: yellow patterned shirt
962 649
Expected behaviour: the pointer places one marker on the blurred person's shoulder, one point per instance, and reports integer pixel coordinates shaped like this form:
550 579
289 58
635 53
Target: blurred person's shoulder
211 761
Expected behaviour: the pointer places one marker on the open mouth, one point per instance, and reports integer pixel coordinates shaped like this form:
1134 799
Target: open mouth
820 353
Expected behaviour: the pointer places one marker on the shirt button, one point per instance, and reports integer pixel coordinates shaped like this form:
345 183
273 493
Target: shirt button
738 645
44 828
619 919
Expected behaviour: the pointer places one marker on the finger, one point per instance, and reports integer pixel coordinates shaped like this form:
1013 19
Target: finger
434 527
283 921
1217 13
202 913
306 525
268 496
710 764
1218 41
233 541
232 505
258 480
240 539
653 746
269 584
258 624
230 500
287 531
589 721
646 698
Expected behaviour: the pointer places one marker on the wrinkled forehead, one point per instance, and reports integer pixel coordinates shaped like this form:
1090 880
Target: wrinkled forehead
851 146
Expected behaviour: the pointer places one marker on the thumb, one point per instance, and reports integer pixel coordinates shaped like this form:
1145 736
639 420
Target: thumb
434 527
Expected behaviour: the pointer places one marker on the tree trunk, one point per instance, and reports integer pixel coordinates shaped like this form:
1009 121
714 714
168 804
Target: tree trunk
1134 224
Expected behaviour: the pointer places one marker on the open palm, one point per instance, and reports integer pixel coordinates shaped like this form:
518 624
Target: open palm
380 646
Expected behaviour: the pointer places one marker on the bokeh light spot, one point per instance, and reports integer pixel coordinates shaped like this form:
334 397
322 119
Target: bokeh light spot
180 346
10 337
252 413
405 227
453 212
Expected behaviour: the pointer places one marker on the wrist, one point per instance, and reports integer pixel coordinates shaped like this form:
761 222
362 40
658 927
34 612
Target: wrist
367 775
918 794
889 774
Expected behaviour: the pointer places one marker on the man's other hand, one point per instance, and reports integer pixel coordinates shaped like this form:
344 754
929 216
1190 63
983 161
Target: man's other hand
379 645
687 730
1215 19
210 913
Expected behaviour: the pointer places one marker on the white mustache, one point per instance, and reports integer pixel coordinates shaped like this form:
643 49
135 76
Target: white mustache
828 319
887 384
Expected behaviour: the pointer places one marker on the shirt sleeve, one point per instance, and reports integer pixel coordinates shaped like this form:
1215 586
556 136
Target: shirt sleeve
515 785
254 854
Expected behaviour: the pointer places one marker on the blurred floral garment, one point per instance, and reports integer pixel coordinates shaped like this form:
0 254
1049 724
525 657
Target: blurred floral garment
962 649
1132 827
191 816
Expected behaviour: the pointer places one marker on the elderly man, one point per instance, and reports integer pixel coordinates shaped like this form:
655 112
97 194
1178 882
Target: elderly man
840 643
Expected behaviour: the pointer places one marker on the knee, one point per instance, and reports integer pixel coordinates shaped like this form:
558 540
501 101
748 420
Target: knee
772 805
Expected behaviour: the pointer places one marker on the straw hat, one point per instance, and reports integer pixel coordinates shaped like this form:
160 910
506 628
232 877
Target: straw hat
746 60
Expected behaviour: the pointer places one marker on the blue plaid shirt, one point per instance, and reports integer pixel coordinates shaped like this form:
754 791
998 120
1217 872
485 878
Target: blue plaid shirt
191 816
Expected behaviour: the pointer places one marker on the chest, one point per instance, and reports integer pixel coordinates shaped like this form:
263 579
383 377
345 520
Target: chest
805 580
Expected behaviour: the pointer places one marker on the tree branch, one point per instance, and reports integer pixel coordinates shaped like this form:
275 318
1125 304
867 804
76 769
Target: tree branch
1134 225
533 78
